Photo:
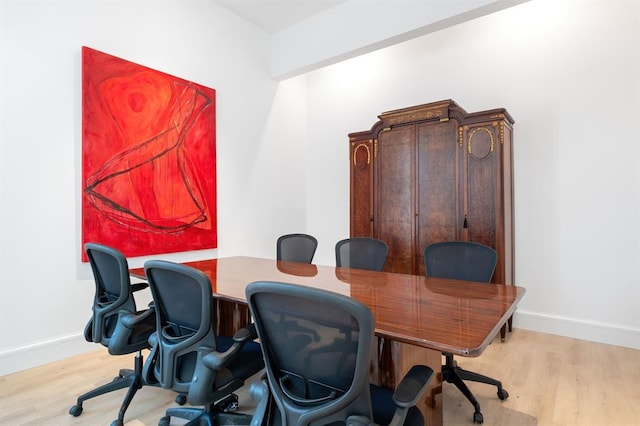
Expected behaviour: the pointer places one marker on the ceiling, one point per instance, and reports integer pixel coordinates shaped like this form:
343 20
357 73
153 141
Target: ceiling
275 15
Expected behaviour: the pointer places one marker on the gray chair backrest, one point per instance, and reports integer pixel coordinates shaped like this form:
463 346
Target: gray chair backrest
460 260
317 348
361 253
184 322
296 248
112 293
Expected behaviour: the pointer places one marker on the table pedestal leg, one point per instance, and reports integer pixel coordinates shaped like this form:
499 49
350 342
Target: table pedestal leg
230 316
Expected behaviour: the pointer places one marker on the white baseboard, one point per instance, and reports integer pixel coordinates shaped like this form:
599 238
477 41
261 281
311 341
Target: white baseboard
592 331
44 352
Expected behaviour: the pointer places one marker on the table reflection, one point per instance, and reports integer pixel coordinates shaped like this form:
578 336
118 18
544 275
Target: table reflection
297 269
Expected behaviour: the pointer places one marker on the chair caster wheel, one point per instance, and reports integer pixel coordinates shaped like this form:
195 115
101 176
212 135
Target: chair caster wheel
165 421
228 404
503 394
181 400
76 410
477 417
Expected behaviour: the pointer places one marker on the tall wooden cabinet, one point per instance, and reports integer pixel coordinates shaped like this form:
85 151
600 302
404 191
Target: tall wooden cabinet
430 173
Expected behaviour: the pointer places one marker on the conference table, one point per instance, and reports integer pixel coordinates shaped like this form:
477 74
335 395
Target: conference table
417 317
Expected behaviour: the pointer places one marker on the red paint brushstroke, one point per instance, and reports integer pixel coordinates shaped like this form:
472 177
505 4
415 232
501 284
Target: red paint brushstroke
149 158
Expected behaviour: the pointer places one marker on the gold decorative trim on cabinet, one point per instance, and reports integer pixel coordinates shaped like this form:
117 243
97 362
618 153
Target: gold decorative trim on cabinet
461 135
355 151
422 114
470 139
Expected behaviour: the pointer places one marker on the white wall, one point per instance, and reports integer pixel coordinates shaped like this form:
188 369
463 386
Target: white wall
566 70
45 291
569 73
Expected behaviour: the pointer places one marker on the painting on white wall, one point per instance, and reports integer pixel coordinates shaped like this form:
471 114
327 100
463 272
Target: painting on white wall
148 158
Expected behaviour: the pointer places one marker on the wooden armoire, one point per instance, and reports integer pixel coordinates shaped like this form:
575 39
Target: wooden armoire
431 173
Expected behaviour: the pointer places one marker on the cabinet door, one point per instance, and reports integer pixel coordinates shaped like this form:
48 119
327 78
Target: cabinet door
489 192
437 186
483 198
361 157
395 206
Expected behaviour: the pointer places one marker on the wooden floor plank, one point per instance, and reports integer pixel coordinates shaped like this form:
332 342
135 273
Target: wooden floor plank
551 380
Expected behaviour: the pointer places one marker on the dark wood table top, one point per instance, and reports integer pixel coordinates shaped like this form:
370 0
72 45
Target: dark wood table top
452 316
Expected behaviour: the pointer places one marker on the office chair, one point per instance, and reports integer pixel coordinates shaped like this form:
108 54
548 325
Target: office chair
303 386
361 253
467 261
116 323
296 248
187 356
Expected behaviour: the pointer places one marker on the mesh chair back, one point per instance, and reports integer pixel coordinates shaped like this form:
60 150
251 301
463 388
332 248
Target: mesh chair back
113 291
296 248
361 253
316 346
460 260
184 312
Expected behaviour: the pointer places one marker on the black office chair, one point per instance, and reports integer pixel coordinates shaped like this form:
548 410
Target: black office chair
304 386
467 261
187 357
296 248
116 323
361 253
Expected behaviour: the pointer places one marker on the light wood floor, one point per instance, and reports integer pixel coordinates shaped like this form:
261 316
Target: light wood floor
551 380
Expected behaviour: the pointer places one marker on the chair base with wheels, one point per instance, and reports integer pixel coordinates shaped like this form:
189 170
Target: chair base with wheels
126 378
218 413
452 373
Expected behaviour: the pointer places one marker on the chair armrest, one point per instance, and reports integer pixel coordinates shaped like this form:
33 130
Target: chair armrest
259 392
412 386
408 392
213 362
149 368
88 331
153 339
138 286
217 360
129 320
128 323
358 421
246 334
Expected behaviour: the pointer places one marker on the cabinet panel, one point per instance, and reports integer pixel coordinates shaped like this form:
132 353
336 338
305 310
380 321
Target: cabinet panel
437 166
488 176
505 240
394 220
361 192
481 184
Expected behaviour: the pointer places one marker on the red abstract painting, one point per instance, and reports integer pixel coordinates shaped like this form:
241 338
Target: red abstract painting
148 158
